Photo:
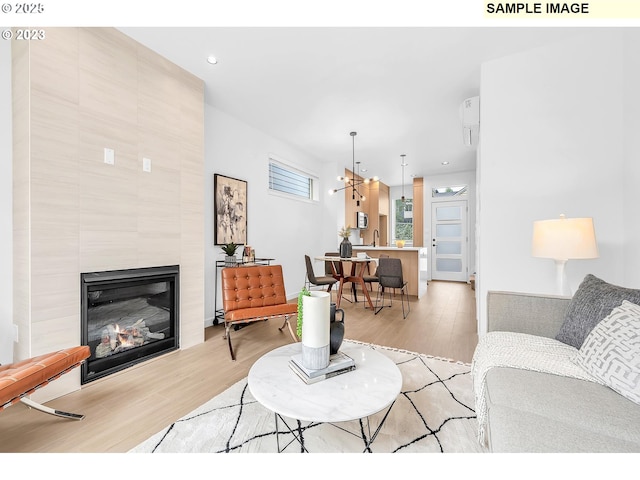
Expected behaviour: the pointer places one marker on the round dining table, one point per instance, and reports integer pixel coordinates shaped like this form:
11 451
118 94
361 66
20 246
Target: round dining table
355 275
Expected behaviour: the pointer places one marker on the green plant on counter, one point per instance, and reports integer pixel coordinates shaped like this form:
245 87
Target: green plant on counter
303 293
230 249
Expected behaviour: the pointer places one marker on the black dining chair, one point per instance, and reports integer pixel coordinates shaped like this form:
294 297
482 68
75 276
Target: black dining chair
372 278
390 277
323 281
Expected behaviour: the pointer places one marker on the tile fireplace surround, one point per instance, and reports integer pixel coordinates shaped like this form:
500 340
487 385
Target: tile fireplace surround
81 91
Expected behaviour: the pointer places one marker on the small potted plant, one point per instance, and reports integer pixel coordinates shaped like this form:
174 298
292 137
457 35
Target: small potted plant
230 250
345 247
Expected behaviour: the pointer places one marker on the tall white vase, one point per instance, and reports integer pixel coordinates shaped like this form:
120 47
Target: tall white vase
315 330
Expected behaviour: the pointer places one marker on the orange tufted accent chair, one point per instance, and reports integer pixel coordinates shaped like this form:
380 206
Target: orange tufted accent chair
254 293
20 379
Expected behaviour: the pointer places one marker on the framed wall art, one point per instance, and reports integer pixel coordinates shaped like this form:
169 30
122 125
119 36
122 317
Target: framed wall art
230 207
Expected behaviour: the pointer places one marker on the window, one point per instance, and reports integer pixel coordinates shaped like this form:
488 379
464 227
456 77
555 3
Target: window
404 219
452 191
291 181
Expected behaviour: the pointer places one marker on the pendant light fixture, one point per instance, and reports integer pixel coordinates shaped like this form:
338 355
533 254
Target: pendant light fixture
353 182
403 164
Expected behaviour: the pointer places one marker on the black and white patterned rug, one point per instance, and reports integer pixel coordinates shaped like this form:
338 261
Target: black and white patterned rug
433 413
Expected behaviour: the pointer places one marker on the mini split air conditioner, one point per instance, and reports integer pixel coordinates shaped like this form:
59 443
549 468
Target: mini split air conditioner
470 117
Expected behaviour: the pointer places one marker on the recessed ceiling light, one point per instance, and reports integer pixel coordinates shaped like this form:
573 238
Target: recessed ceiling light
445 163
212 60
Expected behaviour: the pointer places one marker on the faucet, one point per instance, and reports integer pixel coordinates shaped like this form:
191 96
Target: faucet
374 237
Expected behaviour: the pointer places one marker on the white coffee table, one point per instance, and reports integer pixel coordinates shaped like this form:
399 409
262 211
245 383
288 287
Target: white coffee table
373 386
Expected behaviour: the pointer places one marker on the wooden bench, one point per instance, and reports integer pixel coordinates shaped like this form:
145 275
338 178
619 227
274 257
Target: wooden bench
20 379
254 293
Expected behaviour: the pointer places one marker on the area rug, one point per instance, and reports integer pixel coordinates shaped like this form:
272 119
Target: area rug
433 413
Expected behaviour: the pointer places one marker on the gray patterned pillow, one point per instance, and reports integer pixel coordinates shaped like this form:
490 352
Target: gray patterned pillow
594 300
611 352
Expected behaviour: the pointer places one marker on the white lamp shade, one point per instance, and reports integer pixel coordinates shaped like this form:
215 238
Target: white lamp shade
564 238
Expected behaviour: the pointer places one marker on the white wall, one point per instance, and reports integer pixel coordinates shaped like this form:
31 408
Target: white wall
282 228
552 142
632 159
6 214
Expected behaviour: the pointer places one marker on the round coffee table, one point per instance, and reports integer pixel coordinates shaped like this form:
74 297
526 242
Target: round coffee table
373 386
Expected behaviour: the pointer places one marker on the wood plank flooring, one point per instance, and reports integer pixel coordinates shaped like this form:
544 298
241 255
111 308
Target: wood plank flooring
126 408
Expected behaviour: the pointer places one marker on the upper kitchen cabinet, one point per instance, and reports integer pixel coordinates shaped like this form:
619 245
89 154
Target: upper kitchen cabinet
384 207
418 212
383 200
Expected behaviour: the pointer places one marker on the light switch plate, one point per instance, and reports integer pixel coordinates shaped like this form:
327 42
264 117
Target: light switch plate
146 164
109 156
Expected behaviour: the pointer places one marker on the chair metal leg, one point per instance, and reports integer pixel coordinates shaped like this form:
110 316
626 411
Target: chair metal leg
288 324
405 294
377 310
58 413
404 315
227 335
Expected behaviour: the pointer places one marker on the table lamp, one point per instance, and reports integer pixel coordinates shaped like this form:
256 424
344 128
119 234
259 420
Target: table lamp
563 239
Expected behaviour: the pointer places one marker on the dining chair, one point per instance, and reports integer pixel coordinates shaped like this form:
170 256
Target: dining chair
390 277
372 278
324 281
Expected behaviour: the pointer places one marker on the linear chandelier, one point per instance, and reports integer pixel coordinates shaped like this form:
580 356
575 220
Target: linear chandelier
352 182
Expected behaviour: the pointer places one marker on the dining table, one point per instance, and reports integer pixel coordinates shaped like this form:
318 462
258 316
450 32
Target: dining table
355 274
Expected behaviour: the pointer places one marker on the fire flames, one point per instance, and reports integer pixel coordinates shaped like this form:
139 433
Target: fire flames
117 339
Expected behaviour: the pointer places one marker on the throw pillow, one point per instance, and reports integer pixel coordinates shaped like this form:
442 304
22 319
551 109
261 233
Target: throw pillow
594 300
611 352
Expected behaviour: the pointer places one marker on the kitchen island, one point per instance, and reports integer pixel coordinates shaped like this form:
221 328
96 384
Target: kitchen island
414 264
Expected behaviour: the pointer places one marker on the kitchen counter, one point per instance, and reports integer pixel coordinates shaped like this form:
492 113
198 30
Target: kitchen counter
414 264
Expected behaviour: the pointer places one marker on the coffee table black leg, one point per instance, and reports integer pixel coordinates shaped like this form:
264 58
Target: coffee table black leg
297 436
375 434
277 433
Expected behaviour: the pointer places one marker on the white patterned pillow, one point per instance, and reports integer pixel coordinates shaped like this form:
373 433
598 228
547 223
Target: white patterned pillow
611 351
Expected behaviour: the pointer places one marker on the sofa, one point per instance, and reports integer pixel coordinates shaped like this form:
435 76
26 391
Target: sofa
527 407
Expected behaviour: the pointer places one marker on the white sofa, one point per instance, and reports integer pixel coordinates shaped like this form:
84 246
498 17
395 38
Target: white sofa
532 411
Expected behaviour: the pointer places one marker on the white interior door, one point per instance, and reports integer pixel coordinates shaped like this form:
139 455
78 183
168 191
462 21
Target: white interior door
449 245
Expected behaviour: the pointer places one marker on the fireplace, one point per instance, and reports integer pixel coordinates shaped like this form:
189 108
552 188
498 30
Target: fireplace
128 316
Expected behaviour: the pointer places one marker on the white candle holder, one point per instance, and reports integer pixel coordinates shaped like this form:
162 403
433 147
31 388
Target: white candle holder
315 330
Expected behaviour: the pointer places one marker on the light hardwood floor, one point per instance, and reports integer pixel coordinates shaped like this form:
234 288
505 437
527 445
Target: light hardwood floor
126 408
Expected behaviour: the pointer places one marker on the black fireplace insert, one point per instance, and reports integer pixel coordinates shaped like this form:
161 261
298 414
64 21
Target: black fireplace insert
128 316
